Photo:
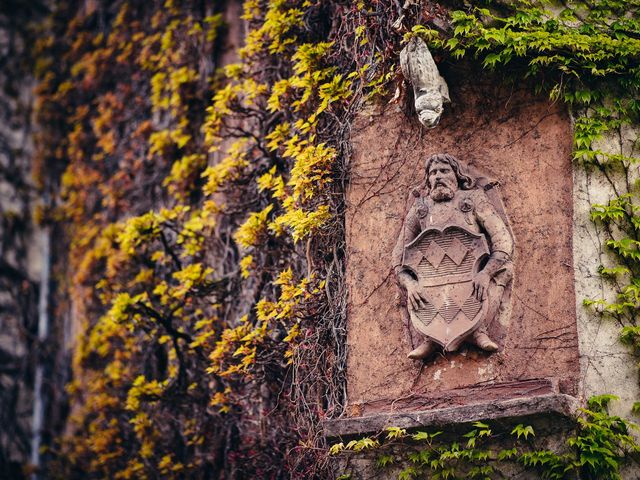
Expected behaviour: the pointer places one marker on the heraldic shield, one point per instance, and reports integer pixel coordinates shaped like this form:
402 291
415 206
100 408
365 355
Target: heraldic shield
445 262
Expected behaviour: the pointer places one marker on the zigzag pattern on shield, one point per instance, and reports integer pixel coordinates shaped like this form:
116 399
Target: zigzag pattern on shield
445 262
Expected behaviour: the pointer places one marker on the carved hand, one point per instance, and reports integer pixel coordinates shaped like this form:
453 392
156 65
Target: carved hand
414 297
480 285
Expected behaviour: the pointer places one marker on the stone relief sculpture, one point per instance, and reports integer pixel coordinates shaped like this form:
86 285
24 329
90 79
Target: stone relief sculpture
453 259
429 88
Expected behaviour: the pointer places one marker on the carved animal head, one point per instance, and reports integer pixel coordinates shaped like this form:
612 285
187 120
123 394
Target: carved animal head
429 107
429 88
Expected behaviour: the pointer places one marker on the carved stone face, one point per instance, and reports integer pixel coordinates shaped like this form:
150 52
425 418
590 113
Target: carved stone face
429 108
442 181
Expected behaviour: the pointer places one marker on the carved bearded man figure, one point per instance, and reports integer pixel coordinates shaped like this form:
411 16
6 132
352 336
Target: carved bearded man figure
453 259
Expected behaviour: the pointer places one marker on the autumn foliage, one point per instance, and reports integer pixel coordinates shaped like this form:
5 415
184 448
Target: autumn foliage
203 213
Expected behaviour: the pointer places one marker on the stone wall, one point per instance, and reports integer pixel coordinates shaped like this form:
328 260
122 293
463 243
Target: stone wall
20 260
607 366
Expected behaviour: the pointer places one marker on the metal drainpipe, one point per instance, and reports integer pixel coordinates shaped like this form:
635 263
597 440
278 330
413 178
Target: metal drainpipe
43 333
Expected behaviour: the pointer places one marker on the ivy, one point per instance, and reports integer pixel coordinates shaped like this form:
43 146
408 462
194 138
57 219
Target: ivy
599 447
203 213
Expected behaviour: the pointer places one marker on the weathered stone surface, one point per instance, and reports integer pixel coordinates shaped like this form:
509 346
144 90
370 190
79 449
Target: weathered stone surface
607 366
551 416
555 411
430 90
508 135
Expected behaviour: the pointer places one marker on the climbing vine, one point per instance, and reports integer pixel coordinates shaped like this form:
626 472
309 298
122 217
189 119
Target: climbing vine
202 201
600 446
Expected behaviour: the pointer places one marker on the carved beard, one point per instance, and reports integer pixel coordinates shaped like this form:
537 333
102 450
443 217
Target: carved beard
442 193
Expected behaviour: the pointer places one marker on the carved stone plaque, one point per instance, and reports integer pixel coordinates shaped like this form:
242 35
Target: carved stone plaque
516 150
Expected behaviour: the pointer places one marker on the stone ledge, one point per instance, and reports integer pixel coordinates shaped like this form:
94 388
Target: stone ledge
557 410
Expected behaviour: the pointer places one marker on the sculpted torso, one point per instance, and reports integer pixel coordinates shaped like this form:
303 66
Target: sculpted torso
453 258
